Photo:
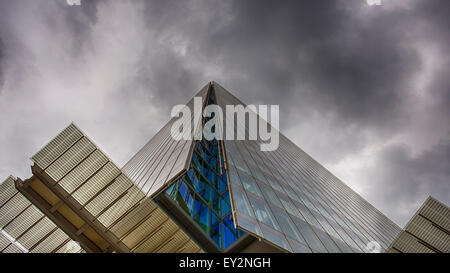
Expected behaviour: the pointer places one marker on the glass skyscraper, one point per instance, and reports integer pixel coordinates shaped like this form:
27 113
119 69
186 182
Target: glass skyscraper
284 197
197 195
293 202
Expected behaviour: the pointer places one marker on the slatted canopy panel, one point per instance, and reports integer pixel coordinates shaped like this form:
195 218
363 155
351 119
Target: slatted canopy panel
24 228
428 231
76 192
100 201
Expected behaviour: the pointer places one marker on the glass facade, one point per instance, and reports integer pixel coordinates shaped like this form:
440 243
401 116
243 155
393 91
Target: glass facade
289 199
283 197
203 192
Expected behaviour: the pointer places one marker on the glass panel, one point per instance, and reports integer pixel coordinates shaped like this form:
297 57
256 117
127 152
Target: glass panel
309 236
263 213
241 202
288 226
288 204
229 236
249 224
240 164
275 237
327 242
249 184
298 248
270 196
275 185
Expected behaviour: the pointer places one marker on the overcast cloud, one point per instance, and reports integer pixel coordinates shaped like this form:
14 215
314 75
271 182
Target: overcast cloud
362 89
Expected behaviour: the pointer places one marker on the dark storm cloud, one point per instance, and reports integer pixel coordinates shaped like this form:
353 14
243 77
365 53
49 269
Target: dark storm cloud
405 178
354 68
363 89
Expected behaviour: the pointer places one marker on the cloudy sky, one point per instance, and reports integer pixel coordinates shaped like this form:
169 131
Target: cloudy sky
363 89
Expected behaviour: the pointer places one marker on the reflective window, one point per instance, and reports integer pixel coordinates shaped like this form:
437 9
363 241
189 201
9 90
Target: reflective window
298 248
241 202
263 213
249 224
249 184
270 195
203 193
309 235
328 215
275 237
288 226
289 206
327 241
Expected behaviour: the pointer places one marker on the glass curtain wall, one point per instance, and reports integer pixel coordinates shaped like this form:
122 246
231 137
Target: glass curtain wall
289 199
203 192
